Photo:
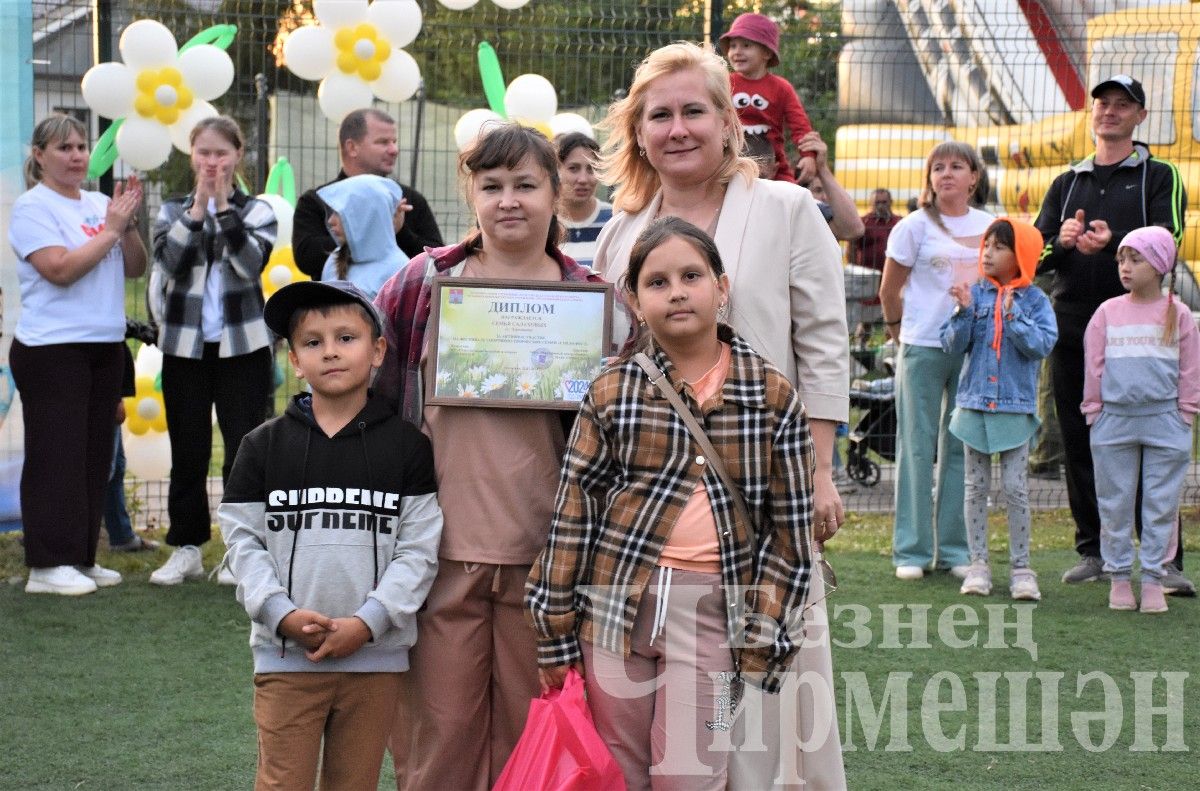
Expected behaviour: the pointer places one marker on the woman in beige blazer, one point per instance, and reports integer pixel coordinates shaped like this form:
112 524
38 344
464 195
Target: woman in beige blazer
672 151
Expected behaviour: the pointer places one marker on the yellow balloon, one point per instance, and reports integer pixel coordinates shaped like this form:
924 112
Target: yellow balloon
281 270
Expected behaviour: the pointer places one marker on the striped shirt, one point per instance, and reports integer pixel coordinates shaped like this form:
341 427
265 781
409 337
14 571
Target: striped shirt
239 240
631 467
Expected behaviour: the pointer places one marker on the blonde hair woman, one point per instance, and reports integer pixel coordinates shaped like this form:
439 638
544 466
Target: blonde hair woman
74 249
673 150
928 252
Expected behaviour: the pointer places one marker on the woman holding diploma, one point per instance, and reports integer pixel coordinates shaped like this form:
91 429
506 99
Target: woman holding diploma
474 669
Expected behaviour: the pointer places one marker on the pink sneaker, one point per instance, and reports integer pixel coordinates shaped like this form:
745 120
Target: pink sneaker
1153 599
1120 595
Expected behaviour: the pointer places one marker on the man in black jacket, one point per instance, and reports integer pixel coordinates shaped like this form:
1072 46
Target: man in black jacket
1086 213
367 140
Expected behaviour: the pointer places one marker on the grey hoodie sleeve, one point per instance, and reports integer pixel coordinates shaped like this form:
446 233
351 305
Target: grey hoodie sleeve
409 575
260 588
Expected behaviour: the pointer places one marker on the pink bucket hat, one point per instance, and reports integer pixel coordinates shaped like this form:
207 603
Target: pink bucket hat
756 28
1156 245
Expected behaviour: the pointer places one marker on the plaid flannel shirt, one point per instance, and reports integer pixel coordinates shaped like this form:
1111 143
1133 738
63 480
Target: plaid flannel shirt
406 302
239 240
630 468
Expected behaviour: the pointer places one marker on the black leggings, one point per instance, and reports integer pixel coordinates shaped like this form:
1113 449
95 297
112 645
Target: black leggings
69 394
238 387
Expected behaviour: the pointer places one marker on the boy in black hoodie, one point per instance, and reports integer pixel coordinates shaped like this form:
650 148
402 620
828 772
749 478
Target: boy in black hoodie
332 523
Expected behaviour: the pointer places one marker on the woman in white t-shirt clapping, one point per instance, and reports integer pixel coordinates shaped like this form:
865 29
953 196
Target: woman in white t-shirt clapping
74 250
928 252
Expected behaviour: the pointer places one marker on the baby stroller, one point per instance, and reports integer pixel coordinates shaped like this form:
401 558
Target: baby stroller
876 426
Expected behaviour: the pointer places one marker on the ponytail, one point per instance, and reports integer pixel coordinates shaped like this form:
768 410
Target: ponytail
1172 319
341 264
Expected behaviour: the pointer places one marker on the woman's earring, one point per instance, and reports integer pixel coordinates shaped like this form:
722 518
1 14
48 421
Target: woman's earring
641 319
642 153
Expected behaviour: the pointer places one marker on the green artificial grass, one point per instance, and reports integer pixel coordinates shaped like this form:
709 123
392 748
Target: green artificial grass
139 687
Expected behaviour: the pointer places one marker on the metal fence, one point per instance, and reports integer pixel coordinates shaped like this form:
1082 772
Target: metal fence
882 80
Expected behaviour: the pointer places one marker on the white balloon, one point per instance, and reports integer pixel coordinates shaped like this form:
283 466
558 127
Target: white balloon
147 408
181 130
530 96
283 218
458 5
398 20
565 123
147 44
207 70
148 362
143 144
147 457
339 13
470 125
341 94
109 88
280 275
510 4
309 52
399 79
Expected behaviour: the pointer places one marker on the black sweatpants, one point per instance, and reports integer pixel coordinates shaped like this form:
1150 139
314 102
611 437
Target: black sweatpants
69 394
238 387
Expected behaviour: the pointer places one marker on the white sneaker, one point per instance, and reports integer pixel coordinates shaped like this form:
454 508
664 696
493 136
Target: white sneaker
960 572
978 581
225 576
62 580
104 578
1022 585
909 572
185 563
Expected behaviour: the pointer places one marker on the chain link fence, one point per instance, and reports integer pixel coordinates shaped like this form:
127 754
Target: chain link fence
882 80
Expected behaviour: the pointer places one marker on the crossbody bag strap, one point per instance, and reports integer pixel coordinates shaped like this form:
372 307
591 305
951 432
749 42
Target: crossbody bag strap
659 380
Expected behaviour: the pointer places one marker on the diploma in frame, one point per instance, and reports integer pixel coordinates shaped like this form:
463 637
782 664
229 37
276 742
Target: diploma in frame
526 344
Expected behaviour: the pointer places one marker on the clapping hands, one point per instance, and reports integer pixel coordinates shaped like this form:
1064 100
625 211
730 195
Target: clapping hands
1088 238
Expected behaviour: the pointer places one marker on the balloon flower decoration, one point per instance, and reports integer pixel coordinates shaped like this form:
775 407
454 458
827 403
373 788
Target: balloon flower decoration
280 192
530 100
157 94
356 53
462 5
147 447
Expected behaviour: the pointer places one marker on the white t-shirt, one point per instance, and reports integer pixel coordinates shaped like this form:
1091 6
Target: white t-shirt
937 261
90 310
212 312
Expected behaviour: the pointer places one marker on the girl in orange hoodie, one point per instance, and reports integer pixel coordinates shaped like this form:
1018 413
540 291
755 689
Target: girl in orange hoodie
1006 326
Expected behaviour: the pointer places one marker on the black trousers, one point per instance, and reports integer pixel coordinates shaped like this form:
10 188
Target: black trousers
69 394
238 387
1067 368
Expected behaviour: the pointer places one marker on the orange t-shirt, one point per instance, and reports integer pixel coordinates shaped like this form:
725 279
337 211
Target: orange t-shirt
693 545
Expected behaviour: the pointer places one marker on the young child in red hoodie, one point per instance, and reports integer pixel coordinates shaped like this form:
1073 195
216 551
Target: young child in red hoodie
765 101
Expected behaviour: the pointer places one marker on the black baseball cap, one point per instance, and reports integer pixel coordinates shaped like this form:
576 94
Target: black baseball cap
314 294
1125 83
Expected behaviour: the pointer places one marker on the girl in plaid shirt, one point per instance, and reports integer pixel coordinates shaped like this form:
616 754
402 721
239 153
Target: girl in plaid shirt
649 583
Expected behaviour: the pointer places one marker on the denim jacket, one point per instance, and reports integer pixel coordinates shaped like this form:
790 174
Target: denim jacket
1007 383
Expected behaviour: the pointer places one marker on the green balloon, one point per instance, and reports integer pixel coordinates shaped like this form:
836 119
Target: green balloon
104 154
218 35
493 78
282 181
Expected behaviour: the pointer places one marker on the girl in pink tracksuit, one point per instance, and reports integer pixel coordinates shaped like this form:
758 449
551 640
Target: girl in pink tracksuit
1141 392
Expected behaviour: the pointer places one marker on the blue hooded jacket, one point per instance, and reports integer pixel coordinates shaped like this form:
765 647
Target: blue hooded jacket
366 205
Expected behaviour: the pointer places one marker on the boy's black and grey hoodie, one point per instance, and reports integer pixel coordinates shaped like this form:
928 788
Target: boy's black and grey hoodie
344 525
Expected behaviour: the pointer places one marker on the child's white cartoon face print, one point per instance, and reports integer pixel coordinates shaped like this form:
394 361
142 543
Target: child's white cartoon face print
743 100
